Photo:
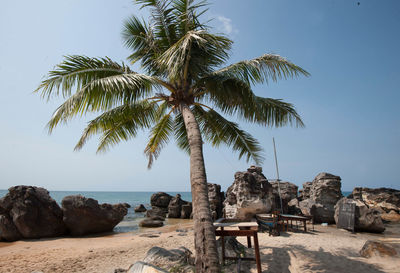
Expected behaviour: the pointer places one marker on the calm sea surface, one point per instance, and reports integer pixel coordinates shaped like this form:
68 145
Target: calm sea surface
132 219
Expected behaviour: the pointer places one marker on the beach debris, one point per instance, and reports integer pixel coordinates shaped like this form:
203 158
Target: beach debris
140 208
386 200
29 212
149 222
86 216
250 194
366 219
375 248
142 267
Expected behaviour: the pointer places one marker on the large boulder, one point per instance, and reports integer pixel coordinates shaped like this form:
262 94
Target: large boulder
160 199
151 222
375 248
366 219
157 211
85 215
29 212
186 211
323 195
305 192
175 206
250 193
216 198
288 191
384 199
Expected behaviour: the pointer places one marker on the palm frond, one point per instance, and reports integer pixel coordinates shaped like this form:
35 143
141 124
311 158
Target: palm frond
216 130
120 123
264 68
159 137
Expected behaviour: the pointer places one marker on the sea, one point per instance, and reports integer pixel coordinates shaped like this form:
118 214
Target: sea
130 223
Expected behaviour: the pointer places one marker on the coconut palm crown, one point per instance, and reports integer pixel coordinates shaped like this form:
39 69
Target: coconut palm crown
183 91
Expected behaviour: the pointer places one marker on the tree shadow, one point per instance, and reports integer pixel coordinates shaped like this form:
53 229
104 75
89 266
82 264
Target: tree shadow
279 260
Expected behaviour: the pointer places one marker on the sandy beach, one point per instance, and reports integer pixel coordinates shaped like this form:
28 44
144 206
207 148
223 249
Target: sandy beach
326 249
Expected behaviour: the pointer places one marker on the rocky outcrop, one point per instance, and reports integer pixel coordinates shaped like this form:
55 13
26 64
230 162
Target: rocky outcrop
216 198
85 215
305 192
323 194
140 208
250 193
29 212
288 191
159 204
375 248
386 200
366 219
175 208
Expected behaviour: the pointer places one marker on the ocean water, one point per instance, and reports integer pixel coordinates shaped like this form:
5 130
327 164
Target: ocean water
132 219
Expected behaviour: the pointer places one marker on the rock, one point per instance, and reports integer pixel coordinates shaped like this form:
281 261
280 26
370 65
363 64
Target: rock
250 193
216 199
141 267
85 215
8 231
232 247
383 199
305 192
140 208
366 219
294 207
175 206
119 270
174 259
151 223
288 192
32 212
158 218
157 211
392 216
160 199
323 194
186 211
375 248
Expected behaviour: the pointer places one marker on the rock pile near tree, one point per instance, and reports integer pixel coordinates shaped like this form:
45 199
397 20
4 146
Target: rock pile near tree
385 200
250 193
28 212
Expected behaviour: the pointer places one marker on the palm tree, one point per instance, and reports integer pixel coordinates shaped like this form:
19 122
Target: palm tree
182 87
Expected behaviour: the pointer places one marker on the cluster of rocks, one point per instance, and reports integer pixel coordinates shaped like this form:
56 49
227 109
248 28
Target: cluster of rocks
28 212
287 191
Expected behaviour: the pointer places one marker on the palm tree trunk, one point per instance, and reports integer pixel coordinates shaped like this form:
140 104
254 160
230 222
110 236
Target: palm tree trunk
204 236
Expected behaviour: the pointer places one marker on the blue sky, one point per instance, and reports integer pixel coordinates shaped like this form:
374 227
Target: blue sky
349 104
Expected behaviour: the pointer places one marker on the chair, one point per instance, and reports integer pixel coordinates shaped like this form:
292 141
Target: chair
270 222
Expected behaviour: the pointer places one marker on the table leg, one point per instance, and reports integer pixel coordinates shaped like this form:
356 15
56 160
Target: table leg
248 242
223 248
305 226
257 252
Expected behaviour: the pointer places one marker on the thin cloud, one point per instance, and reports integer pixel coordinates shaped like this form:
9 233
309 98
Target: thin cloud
226 25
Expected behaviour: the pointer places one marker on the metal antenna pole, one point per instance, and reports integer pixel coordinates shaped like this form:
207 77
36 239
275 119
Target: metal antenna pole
277 174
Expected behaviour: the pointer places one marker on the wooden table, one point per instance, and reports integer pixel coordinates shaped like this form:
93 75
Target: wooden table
248 229
291 218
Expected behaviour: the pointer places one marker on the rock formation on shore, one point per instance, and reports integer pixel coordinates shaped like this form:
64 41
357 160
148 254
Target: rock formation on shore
85 216
28 212
288 191
250 193
385 200
216 198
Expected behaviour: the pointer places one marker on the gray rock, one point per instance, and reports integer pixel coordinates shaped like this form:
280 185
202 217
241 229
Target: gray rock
384 199
160 199
288 192
142 267
232 247
140 208
186 211
175 206
375 248
250 193
85 215
157 211
305 192
366 219
33 213
169 259
216 199
151 223
8 231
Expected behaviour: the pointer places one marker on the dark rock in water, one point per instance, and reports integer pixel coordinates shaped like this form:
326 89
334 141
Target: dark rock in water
148 222
158 218
8 231
33 213
85 215
175 206
175 259
186 211
250 193
141 267
305 192
384 199
288 192
375 248
140 208
160 199
366 219
216 199
157 211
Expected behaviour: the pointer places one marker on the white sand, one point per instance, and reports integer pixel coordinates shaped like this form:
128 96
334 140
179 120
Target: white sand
325 250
